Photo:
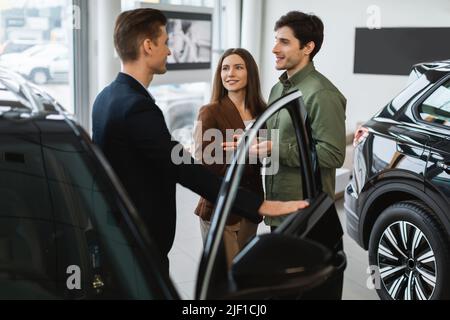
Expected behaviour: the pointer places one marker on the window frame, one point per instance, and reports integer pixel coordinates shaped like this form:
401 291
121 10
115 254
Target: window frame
417 105
80 64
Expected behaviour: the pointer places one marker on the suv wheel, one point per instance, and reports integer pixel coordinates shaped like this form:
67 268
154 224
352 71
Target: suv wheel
39 76
411 250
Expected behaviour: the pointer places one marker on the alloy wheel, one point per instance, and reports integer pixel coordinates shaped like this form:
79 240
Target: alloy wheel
406 262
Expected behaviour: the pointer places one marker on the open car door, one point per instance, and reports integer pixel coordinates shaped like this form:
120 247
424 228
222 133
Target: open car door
305 250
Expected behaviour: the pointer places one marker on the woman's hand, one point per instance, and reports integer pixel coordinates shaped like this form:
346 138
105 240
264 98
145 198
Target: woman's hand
281 208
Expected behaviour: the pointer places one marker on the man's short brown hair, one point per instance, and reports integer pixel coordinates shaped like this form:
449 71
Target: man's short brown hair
133 27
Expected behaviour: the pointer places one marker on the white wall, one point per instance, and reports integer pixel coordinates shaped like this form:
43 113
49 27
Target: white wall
366 94
252 12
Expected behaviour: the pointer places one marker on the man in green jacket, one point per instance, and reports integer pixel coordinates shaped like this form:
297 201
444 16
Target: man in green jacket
299 37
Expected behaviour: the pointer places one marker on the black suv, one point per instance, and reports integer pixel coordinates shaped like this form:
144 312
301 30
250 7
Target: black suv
69 231
398 201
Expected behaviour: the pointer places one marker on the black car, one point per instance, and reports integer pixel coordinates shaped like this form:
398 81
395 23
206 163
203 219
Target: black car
69 231
398 201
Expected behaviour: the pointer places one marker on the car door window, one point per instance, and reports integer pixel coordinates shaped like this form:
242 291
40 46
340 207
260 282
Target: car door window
63 233
293 175
91 235
436 108
27 250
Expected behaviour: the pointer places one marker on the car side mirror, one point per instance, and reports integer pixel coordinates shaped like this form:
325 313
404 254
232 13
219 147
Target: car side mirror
282 265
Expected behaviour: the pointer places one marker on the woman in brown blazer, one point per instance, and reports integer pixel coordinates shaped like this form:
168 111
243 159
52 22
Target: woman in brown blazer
236 102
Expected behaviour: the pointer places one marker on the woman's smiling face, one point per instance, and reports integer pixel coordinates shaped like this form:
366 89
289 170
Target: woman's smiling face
234 73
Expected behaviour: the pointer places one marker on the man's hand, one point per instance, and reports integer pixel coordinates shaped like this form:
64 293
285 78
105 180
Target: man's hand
263 148
258 147
280 208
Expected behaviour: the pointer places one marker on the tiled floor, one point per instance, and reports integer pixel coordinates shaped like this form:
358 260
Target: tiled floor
185 255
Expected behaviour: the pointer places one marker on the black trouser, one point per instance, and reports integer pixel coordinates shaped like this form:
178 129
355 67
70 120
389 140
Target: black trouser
330 289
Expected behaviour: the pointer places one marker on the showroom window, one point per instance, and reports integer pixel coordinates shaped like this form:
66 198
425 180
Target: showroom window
36 41
436 108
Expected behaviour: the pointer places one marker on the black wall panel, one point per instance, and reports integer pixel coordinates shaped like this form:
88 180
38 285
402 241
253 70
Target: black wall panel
394 50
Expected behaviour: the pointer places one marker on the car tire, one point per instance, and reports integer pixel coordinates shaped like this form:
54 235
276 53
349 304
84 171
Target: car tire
40 76
421 270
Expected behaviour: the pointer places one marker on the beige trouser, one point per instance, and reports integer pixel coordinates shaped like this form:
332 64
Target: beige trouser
235 236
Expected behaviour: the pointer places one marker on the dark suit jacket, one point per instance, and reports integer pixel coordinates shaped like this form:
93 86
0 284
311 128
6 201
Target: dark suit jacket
130 130
222 116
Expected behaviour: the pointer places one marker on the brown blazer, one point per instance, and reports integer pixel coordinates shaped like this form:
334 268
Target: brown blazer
222 116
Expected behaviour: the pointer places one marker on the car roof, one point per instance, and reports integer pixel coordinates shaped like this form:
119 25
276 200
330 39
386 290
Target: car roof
20 99
439 65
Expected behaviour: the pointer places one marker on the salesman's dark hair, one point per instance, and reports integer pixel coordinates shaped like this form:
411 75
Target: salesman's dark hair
306 28
133 27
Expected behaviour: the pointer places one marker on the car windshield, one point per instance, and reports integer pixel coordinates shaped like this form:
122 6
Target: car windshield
33 50
47 53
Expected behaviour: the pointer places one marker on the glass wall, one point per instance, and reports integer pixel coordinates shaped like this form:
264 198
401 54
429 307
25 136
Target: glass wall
36 41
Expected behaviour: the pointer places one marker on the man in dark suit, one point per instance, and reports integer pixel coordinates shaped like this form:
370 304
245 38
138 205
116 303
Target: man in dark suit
130 130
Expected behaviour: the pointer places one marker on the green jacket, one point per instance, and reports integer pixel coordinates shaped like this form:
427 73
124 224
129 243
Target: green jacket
326 108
